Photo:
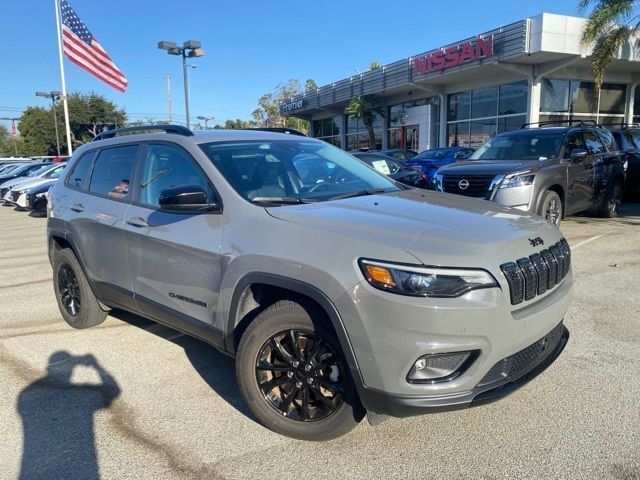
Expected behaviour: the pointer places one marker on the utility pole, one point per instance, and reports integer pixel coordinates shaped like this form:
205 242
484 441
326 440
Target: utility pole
14 132
169 97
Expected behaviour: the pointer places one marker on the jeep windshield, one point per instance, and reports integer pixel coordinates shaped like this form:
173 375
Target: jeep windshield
293 171
533 144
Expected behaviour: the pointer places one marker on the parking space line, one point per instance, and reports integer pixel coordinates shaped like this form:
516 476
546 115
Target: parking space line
588 240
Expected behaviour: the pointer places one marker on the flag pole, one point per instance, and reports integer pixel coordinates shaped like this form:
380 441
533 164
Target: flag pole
64 85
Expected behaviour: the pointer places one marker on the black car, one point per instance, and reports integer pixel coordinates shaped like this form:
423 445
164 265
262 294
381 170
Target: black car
395 169
37 197
628 138
402 154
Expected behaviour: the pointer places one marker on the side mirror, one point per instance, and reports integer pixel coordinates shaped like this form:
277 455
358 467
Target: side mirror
186 198
578 153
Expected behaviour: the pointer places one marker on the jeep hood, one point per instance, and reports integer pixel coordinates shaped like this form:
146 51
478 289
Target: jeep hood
436 228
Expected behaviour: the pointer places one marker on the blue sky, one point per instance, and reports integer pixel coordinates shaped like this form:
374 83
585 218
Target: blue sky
250 46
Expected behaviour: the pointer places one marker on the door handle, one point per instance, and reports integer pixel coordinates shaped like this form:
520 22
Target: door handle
137 222
78 207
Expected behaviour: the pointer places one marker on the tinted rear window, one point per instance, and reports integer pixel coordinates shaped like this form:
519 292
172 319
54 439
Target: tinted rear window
113 172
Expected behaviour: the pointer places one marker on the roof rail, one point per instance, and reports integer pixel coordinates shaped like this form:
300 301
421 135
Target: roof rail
560 122
290 131
621 124
177 129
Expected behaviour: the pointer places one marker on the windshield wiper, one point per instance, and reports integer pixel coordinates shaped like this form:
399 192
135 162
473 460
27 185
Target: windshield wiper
358 193
280 200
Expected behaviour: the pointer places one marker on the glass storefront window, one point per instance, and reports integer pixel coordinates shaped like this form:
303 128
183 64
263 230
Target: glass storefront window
458 134
484 102
576 100
584 98
636 105
513 98
506 124
328 129
612 98
493 109
459 106
480 131
554 96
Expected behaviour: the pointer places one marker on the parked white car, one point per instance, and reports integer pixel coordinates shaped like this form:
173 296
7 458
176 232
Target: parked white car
17 188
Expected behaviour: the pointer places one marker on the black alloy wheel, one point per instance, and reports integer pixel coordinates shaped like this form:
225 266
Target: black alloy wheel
301 375
69 290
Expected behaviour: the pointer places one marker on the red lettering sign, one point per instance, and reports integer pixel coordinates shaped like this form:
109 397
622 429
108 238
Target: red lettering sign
452 56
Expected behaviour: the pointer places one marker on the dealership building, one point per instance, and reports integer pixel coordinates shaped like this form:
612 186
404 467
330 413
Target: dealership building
464 93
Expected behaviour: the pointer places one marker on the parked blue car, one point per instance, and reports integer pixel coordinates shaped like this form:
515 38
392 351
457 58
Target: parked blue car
429 161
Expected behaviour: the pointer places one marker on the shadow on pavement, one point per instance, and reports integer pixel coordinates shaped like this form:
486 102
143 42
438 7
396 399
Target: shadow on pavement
216 369
57 419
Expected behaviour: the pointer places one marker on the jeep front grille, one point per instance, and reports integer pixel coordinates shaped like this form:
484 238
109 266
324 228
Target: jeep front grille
532 276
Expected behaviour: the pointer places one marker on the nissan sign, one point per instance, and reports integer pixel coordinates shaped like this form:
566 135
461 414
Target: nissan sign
452 56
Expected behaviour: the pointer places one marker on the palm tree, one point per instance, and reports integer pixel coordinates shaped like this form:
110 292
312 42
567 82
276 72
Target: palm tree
610 24
366 108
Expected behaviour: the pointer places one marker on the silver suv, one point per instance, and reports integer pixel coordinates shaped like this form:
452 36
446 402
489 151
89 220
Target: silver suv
552 171
339 292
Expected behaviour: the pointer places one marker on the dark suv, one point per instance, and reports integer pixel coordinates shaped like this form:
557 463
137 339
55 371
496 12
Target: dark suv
553 171
628 138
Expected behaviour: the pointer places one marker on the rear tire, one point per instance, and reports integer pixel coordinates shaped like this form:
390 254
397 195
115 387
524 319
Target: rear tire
76 301
304 392
612 201
551 208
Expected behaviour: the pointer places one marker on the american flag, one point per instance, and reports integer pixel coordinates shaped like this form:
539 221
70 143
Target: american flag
82 48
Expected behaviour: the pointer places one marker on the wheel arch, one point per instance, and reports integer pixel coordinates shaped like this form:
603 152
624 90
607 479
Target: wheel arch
557 188
244 307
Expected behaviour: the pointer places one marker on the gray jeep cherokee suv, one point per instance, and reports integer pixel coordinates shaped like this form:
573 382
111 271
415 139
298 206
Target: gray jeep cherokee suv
552 171
339 292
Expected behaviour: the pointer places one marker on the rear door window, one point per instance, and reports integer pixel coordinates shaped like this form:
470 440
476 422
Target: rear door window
79 176
113 172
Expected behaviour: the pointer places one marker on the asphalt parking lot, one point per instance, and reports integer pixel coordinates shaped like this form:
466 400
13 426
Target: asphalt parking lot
133 399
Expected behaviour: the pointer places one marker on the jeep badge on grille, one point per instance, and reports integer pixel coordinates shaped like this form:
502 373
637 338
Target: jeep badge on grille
536 241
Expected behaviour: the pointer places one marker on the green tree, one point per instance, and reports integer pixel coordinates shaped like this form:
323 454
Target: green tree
235 124
611 23
88 115
375 65
310 85
366 108
268 112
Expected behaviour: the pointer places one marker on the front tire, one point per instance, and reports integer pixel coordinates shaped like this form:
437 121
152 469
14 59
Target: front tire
293 376
551 208
76 301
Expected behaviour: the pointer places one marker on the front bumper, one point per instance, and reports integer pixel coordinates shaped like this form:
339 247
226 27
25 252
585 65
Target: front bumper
389 332
403 406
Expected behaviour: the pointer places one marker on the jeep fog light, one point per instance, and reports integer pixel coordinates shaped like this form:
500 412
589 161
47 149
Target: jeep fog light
440 367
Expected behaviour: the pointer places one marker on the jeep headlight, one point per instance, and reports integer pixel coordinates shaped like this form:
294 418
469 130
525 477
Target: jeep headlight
42 194
517 181
424 281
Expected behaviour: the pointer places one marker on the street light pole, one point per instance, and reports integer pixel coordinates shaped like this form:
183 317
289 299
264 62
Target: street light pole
53 96
206 119
190 49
